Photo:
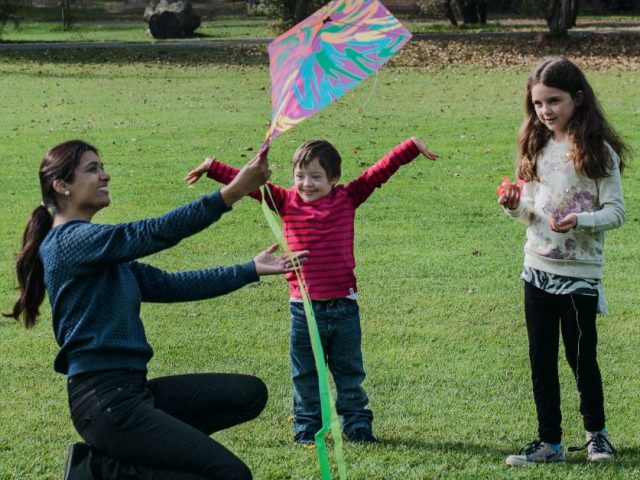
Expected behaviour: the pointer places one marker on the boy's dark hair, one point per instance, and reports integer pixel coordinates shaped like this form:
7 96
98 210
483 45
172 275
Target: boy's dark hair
324 152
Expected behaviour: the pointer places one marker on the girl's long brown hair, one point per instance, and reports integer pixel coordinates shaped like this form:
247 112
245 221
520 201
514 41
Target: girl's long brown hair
59 163
588 127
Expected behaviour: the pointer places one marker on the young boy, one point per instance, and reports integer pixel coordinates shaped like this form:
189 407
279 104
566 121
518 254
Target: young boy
318 216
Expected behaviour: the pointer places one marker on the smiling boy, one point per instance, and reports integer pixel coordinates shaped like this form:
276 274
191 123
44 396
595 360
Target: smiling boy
318 215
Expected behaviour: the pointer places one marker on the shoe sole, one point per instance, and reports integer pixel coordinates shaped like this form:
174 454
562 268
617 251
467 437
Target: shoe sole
524 463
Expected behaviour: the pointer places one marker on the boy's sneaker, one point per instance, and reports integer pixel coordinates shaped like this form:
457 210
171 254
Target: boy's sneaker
304 437
599 448
536 452
361 435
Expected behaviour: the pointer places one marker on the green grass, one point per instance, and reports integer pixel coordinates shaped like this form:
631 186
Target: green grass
107 28
438 263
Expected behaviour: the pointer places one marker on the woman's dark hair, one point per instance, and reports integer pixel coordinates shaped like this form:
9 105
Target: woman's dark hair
59 163
588 127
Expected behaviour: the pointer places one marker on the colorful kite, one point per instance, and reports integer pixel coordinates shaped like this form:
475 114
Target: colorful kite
311 65
326 55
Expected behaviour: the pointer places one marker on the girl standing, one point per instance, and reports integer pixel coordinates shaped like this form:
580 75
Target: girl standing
570 160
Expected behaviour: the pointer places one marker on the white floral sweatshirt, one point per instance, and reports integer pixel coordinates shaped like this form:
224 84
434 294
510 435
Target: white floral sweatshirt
560 191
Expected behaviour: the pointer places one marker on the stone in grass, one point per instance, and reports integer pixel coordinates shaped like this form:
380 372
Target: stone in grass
171 19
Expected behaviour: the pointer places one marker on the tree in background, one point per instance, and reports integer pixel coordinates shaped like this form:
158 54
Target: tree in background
561 16
468 11
8 10
286 12
67 21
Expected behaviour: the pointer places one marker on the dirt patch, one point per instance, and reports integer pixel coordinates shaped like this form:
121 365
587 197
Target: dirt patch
593 51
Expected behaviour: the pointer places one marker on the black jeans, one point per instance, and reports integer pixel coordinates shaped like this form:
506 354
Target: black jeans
159 429
576 316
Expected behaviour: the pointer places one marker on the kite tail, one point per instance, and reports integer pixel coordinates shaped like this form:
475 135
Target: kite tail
327 407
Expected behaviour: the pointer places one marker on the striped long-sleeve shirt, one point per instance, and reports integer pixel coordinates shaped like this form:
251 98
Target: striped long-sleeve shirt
325 226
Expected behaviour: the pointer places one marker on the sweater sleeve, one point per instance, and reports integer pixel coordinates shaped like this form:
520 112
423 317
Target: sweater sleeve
524 213
223 173
362 187
85 246
160 286
611 214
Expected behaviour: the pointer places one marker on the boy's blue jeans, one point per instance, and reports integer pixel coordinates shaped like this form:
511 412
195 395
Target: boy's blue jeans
339 327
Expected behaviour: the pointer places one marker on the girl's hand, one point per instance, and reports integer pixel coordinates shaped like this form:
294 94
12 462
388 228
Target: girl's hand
194 175
255 173
269 264
509 194
424 150
563 225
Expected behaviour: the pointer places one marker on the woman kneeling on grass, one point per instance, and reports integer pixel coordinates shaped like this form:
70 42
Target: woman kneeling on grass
135 428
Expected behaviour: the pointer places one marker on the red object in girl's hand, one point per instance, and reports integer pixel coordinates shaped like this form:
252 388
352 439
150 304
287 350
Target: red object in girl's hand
506 183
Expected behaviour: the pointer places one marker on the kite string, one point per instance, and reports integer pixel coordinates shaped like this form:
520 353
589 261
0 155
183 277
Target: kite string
327 407
373 90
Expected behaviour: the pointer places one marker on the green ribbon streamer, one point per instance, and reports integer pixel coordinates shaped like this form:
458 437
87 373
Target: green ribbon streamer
327 407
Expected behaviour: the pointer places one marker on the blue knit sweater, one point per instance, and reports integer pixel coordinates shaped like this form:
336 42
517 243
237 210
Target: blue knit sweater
95 286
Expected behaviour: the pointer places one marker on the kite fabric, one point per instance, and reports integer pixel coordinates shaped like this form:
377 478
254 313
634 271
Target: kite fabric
326 55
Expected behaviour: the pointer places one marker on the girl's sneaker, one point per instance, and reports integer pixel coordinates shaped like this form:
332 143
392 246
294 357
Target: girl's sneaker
599 448
536 452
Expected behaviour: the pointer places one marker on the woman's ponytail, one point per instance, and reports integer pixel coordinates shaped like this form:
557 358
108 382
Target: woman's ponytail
29 268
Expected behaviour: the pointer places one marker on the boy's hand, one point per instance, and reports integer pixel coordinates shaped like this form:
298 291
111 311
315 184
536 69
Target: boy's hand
255 173
268 264
194 175
424 150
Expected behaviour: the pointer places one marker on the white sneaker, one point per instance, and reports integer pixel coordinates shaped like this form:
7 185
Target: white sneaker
599 447
536 452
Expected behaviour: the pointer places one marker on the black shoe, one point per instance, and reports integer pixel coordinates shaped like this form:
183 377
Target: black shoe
304 437
77 465
361 435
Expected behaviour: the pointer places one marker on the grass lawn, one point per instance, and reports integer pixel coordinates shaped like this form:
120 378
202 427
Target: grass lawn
129 30
437 261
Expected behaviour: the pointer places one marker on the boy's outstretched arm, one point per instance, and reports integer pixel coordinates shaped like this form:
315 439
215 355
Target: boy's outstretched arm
223 173
424 150
194 175
362 187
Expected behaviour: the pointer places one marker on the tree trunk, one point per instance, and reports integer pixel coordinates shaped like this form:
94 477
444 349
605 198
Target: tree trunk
448 11
561 16
469 11
66 14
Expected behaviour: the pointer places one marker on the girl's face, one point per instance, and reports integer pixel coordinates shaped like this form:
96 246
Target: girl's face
554 108
312 182
89 191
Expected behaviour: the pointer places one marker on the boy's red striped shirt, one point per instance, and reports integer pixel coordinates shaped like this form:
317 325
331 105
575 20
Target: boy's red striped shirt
325 227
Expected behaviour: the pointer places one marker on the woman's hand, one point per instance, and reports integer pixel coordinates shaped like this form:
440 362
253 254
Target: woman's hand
509 194
255 173
563 225
269 264
424 150
194 175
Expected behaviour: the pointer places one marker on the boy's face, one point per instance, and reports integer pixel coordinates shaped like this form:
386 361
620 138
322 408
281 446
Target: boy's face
312 182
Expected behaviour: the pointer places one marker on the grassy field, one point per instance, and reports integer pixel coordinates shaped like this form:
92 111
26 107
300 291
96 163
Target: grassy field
438 263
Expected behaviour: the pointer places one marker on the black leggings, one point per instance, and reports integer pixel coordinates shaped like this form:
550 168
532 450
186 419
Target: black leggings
159 429
575 316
